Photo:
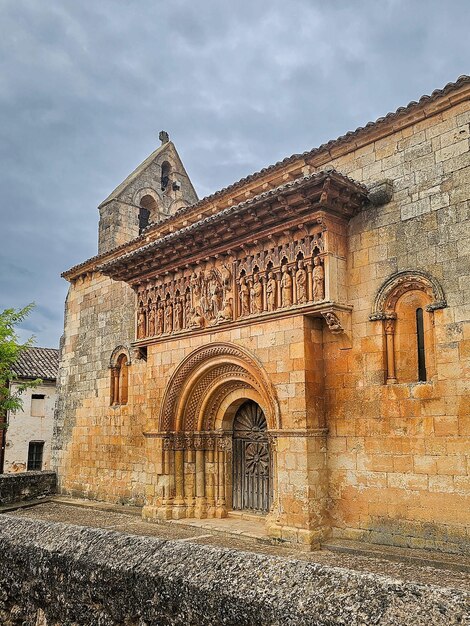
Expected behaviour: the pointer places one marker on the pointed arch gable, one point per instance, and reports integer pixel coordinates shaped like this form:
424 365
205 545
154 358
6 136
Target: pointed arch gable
207 375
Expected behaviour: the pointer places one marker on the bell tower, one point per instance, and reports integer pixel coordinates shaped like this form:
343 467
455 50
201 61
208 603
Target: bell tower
154 191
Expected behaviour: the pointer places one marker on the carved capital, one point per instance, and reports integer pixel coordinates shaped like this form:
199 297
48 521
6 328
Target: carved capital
167 443
224 444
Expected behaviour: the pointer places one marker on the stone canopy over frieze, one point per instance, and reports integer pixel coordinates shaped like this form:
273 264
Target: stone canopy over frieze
290 205
280 251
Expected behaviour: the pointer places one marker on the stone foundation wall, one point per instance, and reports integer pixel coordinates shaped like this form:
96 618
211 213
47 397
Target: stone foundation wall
26 486
58 574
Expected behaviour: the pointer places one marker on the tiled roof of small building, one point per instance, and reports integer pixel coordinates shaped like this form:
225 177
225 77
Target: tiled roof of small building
37 363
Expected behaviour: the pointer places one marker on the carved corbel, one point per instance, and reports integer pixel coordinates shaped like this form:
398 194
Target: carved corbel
333 322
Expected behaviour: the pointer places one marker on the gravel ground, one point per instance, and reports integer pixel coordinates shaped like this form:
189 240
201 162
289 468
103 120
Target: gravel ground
128 523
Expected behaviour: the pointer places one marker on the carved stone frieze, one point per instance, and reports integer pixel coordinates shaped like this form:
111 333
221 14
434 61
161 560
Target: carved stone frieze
283 272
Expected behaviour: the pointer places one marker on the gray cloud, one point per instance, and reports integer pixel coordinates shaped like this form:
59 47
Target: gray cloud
86 86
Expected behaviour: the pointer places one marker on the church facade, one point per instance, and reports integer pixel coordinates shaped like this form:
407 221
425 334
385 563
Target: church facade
295 346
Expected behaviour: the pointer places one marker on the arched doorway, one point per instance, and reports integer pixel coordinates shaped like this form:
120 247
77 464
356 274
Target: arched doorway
251 461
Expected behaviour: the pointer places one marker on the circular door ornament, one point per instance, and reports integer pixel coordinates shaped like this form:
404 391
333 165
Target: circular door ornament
257 459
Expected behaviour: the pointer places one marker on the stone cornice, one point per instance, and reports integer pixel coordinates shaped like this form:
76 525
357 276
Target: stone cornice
288 206
317 310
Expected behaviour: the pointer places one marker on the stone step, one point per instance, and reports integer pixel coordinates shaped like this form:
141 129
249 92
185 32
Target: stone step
441 560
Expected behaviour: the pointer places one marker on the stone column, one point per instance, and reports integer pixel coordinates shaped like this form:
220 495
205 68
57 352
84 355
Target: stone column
210 483
179 509
389 326
167 495
263 280
115 386
293 269
308 265
189 483
278 290
200 508
221 510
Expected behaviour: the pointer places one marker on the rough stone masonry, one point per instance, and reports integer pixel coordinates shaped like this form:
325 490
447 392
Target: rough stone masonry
56 574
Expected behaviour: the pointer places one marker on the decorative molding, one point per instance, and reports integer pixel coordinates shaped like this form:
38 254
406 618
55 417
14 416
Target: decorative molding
238 363
398 284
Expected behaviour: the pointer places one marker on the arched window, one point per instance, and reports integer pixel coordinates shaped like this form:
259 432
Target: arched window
414 337
148 210
119 383
165 179
405 304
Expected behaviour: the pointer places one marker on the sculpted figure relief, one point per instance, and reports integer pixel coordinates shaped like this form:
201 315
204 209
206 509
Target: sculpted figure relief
286 287
151 321
187 310
226 313
318 275
257 295
178 315
301 283
207 295
271 291
197 321
226 276
169 318
244 297
215 294
195 290
141 324
160 318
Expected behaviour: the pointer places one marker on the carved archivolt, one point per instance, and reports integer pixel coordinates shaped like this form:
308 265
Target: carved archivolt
398 284
203 375
202 388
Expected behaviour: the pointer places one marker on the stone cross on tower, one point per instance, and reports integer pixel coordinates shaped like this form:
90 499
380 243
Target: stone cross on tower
164 136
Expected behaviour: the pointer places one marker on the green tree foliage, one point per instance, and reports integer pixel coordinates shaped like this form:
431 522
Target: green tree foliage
10 349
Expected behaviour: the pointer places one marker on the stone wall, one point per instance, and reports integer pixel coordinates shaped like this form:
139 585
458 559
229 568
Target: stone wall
399 462
99 316
26 486
58 574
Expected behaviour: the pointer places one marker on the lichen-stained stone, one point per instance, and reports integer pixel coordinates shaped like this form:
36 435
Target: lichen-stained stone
55 573
330 290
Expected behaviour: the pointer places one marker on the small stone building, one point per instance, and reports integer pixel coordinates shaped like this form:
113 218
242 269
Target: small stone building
27 439
294 346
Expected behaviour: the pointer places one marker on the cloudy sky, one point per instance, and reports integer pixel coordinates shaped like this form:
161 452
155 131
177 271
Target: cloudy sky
85 87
